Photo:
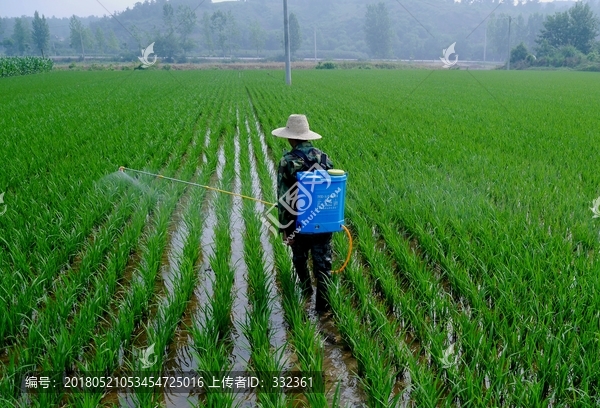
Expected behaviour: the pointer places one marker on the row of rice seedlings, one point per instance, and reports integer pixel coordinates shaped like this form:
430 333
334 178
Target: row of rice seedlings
71 287
265 361
80 335
307 344
57 214
469 359
446 322
437 305
212 333
19 291
428 316
481 367
508 357
125 321
55 317
377 333
47 279
161 330
73 342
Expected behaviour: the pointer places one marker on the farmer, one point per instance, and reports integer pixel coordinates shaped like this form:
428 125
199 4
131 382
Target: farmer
303 157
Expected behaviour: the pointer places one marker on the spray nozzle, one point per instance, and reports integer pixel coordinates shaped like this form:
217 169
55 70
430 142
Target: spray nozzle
122 169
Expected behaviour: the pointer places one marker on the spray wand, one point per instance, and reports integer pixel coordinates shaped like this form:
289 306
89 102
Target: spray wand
123 168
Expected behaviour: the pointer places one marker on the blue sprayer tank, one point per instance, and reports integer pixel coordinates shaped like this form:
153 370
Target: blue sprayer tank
321 200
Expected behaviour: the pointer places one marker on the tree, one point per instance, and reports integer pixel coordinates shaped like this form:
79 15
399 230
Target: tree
577 27
378 30
41 32
257 36
186 21
168 17
77 34
232 33
218 26
206 31
100 39
20 36
295 37
113 42
167 45
9 46
519 53
584 27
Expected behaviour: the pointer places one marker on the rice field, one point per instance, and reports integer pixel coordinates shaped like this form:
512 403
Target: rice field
474 274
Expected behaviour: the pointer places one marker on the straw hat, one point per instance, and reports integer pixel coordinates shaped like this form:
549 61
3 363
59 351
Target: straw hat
296 128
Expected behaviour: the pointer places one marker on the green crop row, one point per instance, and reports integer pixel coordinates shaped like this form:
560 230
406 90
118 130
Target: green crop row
12 66
474 275
475 216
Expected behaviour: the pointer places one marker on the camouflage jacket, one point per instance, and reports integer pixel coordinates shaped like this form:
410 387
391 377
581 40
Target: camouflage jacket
289 165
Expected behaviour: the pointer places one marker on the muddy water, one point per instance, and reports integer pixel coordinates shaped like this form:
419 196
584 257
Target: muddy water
206 144
180 354
264 149
277 322
178 233
241 344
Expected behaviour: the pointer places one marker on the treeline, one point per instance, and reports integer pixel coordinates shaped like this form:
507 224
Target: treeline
181 29
567 39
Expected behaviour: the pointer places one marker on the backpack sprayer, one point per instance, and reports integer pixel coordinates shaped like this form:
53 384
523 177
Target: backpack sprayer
321 200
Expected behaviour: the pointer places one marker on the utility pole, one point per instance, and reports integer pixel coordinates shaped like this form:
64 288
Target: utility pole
315 31
508 62
485 42
81 40
286 39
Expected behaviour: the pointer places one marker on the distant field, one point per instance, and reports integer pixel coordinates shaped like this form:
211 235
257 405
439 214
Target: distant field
475 274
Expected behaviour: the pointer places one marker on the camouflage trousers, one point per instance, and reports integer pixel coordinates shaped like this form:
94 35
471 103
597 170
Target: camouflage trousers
319 245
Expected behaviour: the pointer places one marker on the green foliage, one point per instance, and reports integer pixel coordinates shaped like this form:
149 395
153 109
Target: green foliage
378 30
519 53
40 33
12 66
577 27
223 31
325 65
100 39
257 36
474 270
80 37
186 21
21 36
295 35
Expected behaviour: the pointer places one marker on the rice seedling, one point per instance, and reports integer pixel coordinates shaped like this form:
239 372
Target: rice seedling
476 250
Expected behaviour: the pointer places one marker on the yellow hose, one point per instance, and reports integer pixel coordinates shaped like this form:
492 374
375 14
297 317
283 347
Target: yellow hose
349 250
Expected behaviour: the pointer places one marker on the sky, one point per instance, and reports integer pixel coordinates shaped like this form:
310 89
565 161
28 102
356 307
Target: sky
65 8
